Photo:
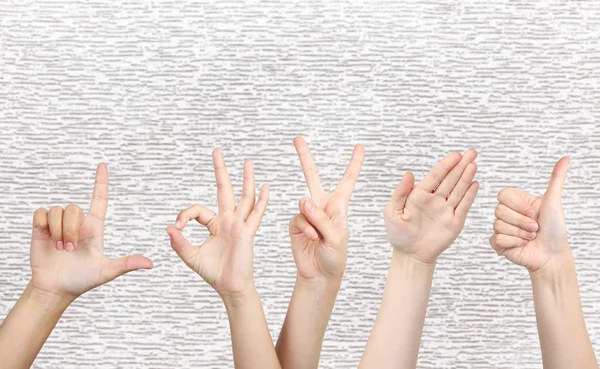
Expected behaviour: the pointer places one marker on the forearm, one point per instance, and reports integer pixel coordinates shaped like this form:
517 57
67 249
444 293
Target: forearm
396 335
28 325
250 337
301 337
563 335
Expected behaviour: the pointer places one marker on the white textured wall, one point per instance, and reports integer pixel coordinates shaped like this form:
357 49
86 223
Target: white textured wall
152 86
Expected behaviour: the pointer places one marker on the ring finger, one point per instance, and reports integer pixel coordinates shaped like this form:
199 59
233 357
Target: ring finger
55 220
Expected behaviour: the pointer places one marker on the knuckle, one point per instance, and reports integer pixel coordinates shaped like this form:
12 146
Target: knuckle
497 225
498 211
55 209
524 223
72 207
523 234
501 194
39 213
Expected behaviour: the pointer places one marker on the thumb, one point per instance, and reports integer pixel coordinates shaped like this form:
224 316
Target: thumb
557 181
402 191
114 268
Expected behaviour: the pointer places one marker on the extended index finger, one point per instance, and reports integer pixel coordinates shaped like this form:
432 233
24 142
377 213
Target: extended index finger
99 201
348 181
309 168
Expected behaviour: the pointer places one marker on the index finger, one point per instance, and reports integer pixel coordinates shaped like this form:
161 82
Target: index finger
309 168
510 197
348 181
99 201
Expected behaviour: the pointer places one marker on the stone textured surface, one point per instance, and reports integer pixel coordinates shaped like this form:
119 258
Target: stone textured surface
152 86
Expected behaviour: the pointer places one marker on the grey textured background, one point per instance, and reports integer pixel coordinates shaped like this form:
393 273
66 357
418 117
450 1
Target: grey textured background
152 86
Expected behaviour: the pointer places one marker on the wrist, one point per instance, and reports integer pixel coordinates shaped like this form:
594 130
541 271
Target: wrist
240 299
559 266
321 285
412 261
50 302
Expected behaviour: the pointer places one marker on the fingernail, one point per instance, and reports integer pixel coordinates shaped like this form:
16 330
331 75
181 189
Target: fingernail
524 242
69 247
530 213
533 227
531 235
60 245
309 206
312 234
178 225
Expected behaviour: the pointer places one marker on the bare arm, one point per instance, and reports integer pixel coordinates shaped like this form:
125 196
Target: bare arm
400 320
301 337
251 341
563 335
28 326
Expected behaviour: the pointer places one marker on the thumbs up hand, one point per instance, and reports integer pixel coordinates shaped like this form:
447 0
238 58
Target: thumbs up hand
530 230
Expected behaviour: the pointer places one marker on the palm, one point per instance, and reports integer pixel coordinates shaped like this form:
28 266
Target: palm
225 260
423 221
74 273
427 220
320 238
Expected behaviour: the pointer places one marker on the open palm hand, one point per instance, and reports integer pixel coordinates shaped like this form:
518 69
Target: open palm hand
423 221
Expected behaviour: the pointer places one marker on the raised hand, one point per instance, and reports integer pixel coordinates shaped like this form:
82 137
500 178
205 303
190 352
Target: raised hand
67 247
531 230
225 260
319 233
423 220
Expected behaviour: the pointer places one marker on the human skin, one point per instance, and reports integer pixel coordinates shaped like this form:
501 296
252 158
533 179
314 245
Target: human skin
531 231
67 260
421 222
319 240
225 261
